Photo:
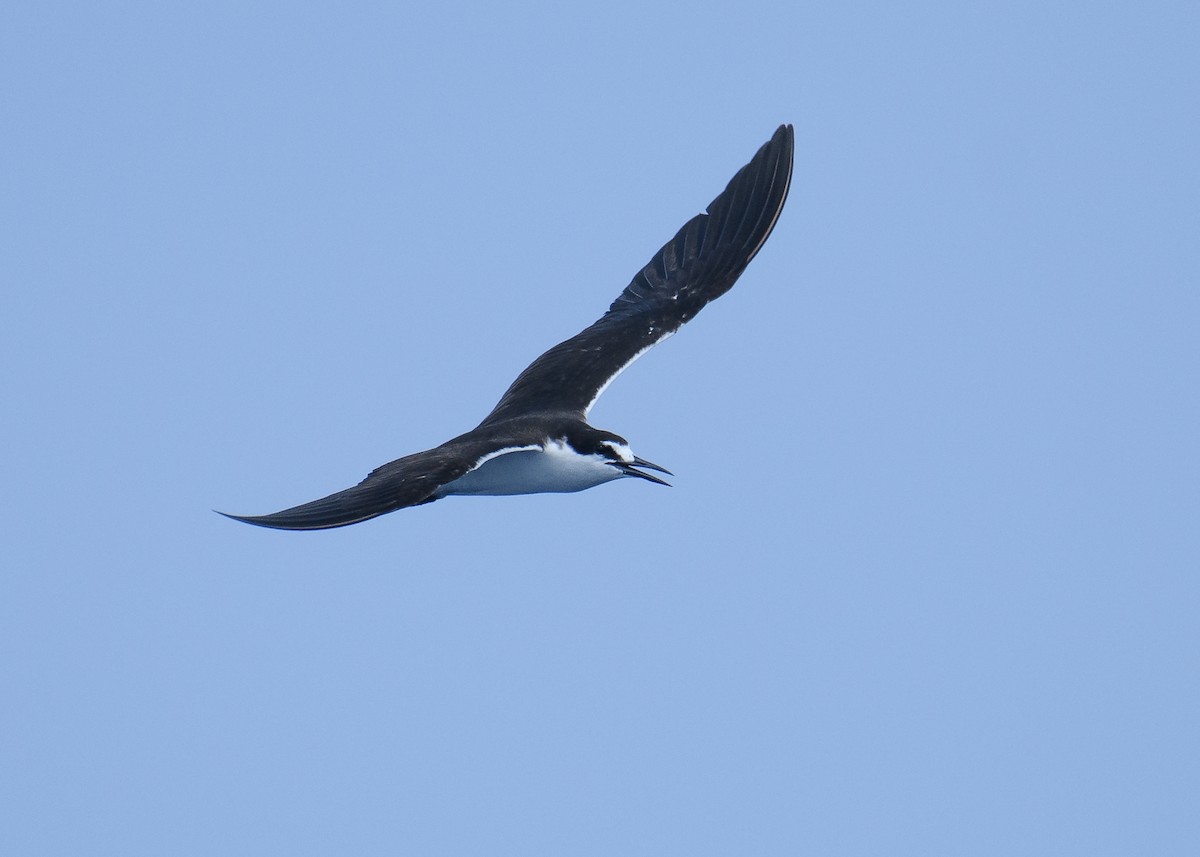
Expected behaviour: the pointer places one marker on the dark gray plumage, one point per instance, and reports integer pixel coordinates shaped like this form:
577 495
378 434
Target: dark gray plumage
542 417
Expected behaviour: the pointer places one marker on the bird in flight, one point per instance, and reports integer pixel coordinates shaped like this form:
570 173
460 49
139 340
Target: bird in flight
537 438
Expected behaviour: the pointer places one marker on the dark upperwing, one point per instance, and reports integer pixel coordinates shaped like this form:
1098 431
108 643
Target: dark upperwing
698 265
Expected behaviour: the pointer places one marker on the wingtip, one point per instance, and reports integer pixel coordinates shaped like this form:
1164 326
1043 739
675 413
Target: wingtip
253 520
784 138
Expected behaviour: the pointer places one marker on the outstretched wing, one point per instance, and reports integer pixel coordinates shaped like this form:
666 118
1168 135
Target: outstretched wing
698 265
408 481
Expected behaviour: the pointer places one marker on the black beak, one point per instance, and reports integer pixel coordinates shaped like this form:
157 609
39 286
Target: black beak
650 465
631 470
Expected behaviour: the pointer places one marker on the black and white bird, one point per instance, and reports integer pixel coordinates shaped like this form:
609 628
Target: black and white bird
537 438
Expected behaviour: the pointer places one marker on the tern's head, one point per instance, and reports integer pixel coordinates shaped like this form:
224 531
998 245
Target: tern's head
615 451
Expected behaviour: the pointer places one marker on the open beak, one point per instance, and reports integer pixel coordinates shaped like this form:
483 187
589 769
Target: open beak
650 465
631 470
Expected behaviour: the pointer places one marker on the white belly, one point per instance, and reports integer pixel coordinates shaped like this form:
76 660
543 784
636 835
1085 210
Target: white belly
557 469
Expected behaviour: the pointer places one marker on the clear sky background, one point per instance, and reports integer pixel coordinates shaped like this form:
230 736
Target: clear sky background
929 577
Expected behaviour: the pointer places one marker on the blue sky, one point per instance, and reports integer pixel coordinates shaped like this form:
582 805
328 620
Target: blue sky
927 580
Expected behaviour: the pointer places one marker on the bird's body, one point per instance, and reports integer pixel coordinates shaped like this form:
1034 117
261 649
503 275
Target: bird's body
555 468
537 438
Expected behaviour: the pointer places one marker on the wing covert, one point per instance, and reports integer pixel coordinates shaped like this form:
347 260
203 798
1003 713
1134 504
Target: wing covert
408 481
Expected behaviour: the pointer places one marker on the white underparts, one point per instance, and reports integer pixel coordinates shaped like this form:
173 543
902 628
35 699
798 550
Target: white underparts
557 468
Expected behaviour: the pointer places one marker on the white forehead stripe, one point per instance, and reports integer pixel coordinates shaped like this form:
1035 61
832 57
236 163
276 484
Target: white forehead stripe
621 449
